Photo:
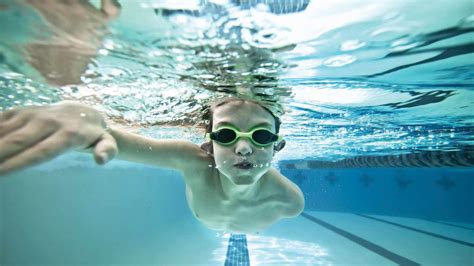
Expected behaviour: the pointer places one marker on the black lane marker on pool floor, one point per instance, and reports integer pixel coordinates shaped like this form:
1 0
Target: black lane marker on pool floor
419 231
450 224
237 252
365 243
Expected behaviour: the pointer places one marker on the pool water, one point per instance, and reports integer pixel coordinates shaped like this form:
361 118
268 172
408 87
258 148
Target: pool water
70 211
376 100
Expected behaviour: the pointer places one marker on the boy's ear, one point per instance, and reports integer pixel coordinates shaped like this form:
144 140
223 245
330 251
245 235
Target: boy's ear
279 146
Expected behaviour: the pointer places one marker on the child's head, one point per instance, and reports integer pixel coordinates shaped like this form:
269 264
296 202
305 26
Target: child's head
232 154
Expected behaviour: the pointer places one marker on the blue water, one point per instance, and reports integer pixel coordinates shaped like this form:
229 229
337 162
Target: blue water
351 80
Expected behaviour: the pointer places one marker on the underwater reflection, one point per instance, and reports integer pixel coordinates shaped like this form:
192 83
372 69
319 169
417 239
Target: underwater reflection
67 36
273 250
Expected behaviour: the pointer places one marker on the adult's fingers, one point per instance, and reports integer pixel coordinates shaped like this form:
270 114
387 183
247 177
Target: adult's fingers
105 149
22 139
11 125
47 149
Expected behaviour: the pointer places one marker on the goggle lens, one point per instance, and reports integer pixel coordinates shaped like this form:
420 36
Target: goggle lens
263 136
225 135
259 137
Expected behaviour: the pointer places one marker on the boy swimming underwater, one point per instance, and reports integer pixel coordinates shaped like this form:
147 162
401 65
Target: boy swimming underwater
230 185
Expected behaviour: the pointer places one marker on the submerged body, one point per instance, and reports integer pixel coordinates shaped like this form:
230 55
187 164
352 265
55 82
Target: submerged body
222 193
212 207
216 201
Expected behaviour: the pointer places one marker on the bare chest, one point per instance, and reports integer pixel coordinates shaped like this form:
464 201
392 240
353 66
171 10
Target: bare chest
210 206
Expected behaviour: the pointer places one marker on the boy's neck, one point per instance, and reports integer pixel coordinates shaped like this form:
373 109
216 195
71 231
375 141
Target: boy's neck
234 191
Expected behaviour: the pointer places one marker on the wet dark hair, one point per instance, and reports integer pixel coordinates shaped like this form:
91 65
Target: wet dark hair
207 117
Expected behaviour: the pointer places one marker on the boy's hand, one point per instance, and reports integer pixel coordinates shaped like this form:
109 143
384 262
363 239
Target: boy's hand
35 134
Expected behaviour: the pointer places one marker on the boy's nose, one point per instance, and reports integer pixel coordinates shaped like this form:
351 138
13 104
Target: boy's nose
243 147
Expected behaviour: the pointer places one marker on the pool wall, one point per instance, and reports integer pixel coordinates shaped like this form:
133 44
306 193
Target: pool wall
427 193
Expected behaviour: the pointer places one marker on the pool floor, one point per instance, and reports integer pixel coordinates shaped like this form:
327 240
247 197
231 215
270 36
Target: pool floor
330 238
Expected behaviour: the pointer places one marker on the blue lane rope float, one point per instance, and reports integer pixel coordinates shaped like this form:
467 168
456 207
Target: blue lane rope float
461 158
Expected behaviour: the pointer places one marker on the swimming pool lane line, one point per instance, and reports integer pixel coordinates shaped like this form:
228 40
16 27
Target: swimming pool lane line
237 251
400 260
418 230
450 224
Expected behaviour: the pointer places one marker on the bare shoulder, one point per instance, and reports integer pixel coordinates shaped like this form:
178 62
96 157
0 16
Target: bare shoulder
193 159
292 199
186 156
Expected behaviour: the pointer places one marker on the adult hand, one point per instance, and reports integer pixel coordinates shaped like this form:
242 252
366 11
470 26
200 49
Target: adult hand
32 135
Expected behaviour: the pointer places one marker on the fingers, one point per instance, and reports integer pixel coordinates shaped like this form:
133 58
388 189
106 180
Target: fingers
105 149
47 149
10 125
23 138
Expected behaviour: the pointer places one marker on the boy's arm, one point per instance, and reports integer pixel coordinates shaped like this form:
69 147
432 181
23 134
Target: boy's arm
292 201
180 155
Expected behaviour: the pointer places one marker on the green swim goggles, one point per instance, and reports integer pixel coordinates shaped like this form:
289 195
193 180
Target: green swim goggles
227 135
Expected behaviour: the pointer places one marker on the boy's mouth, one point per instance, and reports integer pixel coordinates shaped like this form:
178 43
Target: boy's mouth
243 165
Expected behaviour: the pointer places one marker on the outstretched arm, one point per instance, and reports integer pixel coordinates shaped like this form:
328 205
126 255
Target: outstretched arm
180 155
35 134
